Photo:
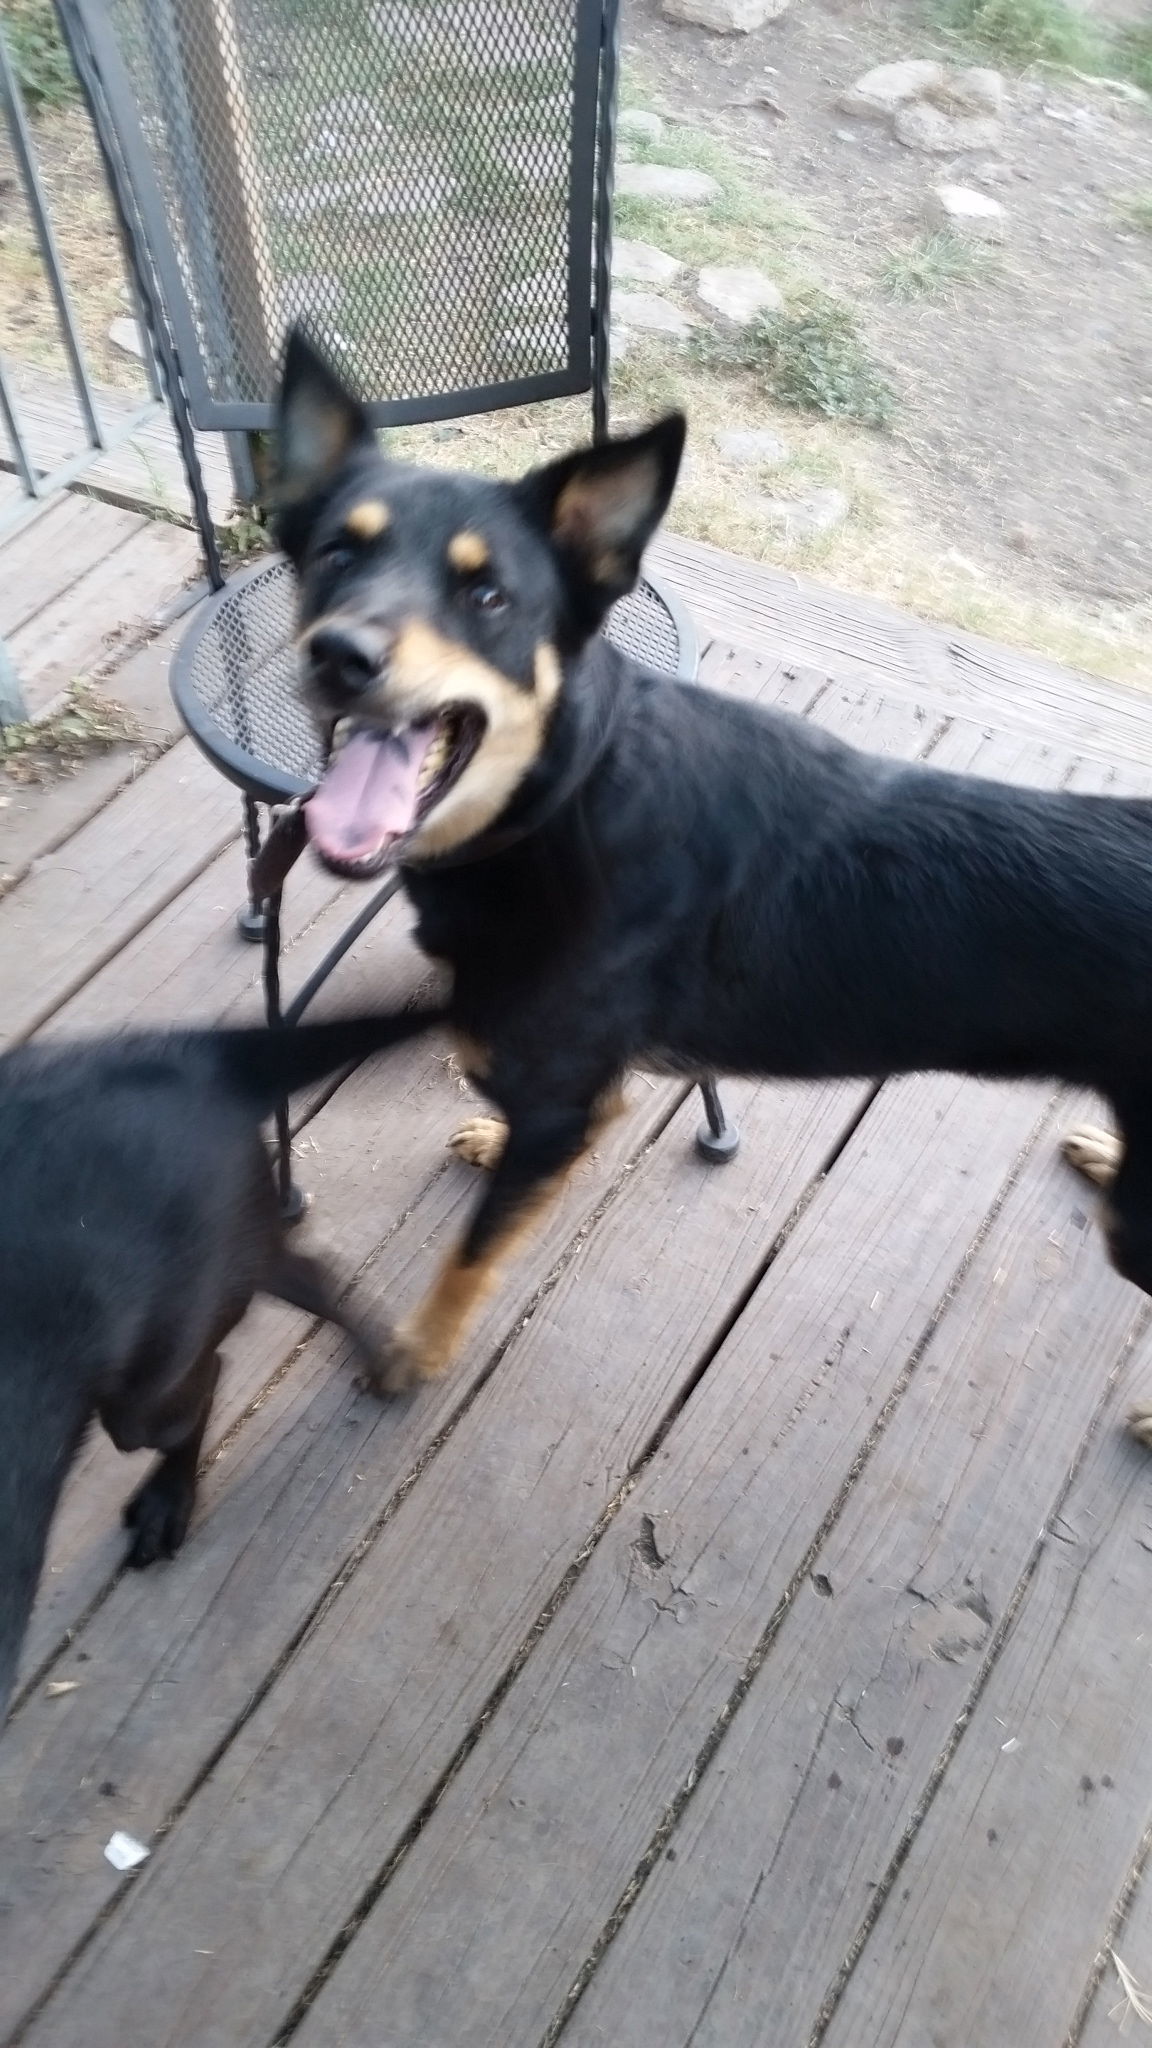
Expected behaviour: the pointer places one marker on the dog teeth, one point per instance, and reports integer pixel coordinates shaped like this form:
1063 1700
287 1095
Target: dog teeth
433 760
341 732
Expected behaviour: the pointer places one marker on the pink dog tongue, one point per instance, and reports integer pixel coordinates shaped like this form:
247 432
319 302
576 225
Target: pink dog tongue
368 793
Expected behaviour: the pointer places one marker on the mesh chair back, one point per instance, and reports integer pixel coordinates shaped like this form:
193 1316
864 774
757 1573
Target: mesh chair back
415 180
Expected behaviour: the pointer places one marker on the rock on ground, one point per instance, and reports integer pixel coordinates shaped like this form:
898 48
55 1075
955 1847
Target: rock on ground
727 17
640 263
921 126
738 294
124 334
671 187
802 518
752 447
878 94
966 212
651 315
639 126
976 91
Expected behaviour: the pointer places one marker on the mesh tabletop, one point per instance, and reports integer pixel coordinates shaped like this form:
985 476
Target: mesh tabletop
236 685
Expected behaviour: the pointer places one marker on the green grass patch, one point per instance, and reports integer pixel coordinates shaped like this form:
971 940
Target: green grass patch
1020 31
812 358
1131 56
744 203
39 54
1136 209
933 265
751 223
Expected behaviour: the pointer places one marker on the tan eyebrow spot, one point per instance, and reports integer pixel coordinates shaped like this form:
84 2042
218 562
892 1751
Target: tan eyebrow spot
468 552
369 519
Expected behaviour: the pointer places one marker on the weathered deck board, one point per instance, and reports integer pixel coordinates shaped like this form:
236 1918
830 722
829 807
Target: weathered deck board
994 1926
36 819
261 1556
105 883
46 558
847 1337
892 729
624 1691
121 595
835 1749
461 1571
755 606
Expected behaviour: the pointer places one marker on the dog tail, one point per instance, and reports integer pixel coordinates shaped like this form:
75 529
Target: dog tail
42 1418
266 1065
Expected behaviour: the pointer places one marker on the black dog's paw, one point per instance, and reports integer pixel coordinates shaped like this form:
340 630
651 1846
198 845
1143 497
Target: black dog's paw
159 1513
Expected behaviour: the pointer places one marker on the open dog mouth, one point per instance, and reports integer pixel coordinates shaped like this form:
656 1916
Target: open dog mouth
378 786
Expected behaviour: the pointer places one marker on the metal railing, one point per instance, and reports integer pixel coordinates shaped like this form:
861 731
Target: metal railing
96 433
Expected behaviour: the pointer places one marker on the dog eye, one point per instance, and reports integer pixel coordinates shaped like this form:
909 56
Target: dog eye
487 597
334 554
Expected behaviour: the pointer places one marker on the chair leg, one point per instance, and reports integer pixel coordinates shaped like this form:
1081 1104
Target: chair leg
717 1140
251 922
292 1199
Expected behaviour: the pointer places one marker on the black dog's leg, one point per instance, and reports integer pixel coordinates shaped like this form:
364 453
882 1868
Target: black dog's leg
159 1511
308 1283
1128 1221
543 1143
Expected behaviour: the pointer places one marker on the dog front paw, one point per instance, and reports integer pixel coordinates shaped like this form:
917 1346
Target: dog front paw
399 1366
481 1141
1139 1423
158 1514
1097 1154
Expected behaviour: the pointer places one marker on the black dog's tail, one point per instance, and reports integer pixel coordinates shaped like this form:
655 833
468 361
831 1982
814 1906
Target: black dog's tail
42 1418
266 1065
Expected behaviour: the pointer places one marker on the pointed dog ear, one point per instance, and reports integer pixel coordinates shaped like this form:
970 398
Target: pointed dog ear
600 508
320 424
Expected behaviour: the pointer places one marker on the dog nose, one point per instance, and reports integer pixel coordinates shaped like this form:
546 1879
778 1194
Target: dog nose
347 660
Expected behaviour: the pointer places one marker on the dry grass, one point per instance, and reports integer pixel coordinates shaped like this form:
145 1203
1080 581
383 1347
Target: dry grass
1135 2004
44 749
1135 209
882 550
933 265
89 247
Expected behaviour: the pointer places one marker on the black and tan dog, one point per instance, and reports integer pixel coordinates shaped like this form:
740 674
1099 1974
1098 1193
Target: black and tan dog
627 871
138 1217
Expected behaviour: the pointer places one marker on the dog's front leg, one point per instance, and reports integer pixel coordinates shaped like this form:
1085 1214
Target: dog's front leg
541 1146
160 1510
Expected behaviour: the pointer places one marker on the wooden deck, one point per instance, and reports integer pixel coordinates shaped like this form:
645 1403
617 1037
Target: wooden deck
747 1648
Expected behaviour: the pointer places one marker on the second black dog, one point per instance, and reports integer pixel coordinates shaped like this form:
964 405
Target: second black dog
138 1218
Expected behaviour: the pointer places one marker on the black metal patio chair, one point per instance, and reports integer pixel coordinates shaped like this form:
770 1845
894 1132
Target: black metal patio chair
429 186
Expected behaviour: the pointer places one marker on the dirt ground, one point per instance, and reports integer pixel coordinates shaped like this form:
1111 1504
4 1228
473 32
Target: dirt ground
1025 422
